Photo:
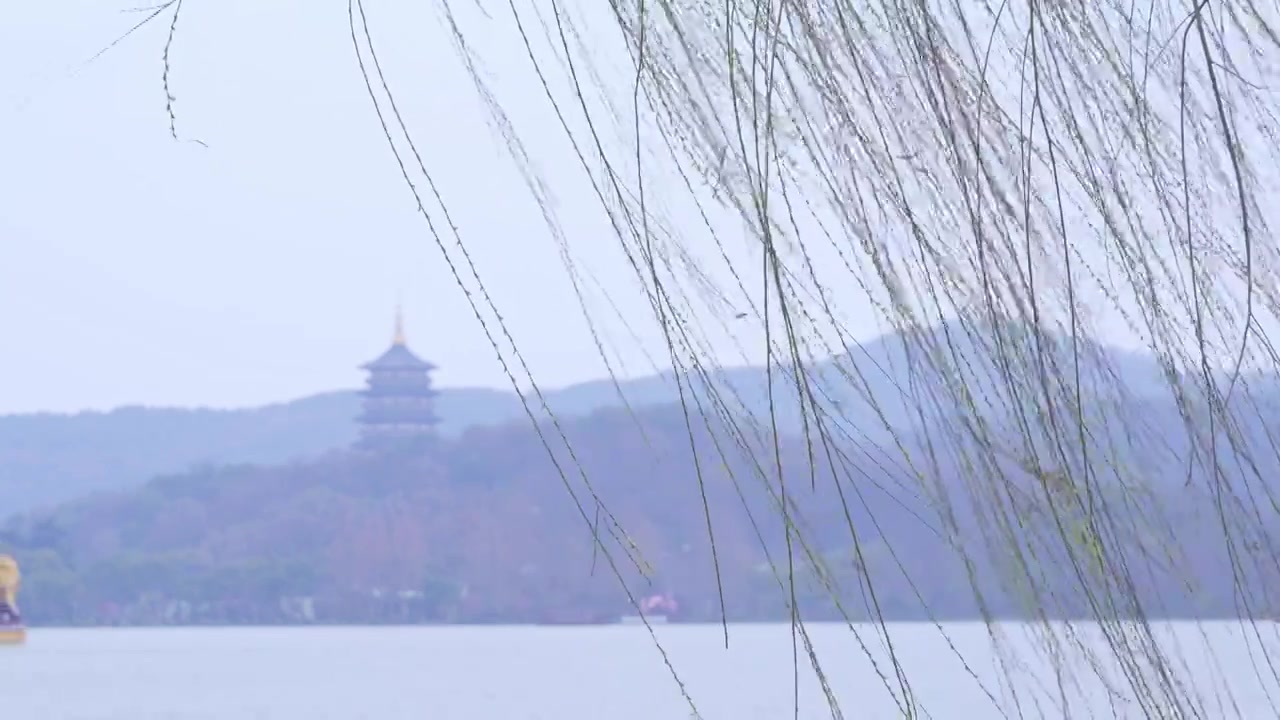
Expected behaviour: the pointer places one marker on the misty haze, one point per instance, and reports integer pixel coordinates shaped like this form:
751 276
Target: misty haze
638 360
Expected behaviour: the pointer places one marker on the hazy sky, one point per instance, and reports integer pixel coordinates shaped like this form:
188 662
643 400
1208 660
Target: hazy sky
264 264
260 256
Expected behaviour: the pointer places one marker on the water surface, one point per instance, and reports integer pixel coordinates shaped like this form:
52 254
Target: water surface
598 673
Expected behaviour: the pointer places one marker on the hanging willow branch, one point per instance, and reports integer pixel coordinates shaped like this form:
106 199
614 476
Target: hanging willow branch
994 181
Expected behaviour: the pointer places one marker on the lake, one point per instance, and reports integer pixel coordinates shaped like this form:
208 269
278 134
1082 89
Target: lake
614 673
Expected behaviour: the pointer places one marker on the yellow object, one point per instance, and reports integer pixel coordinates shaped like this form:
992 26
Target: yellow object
10 581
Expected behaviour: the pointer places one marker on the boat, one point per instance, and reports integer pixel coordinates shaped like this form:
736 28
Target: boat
641 620
12 629
655 610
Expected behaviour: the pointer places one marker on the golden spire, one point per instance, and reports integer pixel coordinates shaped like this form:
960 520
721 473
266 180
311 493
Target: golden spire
399 338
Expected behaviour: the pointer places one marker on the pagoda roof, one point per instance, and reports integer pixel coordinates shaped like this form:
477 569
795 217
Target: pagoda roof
398 357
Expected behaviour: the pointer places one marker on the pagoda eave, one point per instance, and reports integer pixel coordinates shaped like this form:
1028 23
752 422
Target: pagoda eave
379 393
381 419
375 365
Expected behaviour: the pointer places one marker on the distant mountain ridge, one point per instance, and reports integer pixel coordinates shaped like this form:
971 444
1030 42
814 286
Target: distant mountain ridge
46 458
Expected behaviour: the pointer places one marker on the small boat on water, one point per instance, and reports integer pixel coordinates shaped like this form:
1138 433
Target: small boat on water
656 609
638 620
12 629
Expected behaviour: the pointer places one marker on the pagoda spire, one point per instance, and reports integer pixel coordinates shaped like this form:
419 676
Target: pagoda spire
399 336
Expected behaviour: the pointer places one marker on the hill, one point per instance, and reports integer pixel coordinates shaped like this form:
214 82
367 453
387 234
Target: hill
46 459
50 458
486 528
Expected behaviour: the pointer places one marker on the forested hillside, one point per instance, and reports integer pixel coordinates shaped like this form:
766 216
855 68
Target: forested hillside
485 528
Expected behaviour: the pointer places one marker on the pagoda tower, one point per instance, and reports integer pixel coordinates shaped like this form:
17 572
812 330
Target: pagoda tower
399 402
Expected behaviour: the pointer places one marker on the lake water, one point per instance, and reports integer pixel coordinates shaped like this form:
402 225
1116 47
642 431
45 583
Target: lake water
605 673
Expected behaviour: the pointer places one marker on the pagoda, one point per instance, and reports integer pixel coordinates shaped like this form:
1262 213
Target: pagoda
399 402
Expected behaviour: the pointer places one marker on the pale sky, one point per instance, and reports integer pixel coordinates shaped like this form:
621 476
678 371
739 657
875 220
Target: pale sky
260 257
267 265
